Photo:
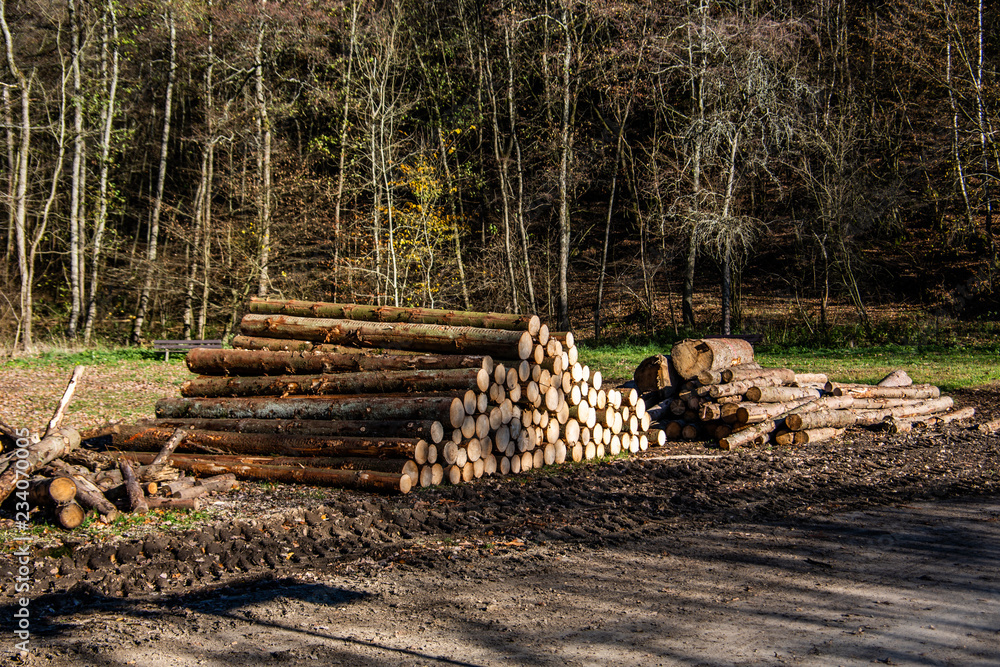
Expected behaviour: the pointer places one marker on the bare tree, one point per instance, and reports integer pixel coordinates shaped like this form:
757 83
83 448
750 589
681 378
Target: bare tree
263 155
565 158
20 191
77 176
154 225
199 249
109 75
346 91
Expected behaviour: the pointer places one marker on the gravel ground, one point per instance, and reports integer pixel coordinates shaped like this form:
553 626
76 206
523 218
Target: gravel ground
869 548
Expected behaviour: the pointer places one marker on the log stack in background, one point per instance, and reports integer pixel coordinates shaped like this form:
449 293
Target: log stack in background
387 398
714 390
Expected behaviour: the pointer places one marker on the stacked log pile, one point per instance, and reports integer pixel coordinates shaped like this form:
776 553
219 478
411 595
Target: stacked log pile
717 392
388 398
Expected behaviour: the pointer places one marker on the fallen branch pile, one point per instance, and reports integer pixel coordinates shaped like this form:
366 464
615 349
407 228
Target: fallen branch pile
386 398
713 389
54 475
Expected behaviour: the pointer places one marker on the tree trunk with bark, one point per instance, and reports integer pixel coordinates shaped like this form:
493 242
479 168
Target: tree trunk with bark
360 313
252 362
691 357
154 225
385 429
368 480
199 442
422 337
364 382
446 409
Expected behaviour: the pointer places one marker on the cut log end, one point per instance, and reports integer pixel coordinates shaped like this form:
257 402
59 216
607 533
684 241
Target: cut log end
457 413
525 345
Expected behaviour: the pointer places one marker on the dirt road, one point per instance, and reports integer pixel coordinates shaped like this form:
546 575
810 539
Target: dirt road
917 584
873 548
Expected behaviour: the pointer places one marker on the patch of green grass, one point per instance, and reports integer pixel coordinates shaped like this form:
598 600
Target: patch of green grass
618 361
948 368
46 538
97 356
126 523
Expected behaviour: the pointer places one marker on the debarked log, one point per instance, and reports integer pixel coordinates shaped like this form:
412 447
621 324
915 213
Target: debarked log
273 444
760 432
365 382
872 391
352 479
929 407
446 409
383 429
738 387
758 394
802 379
424 337
748 372
905 424
822 419
850 417
266 362
882 403
744 371
752 413
811 436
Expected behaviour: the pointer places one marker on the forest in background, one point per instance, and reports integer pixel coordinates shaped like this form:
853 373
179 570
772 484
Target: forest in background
164 161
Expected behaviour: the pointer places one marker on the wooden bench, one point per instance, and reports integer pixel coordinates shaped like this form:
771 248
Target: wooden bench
184 345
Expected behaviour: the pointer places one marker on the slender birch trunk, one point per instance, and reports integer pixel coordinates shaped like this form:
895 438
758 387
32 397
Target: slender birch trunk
502 157
565 158
154 227
512 112
344 124
203 197
76 177
109 67
727 253
980 116
206 213
619 142
20 200
263 157
956 145
8 119
698 93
